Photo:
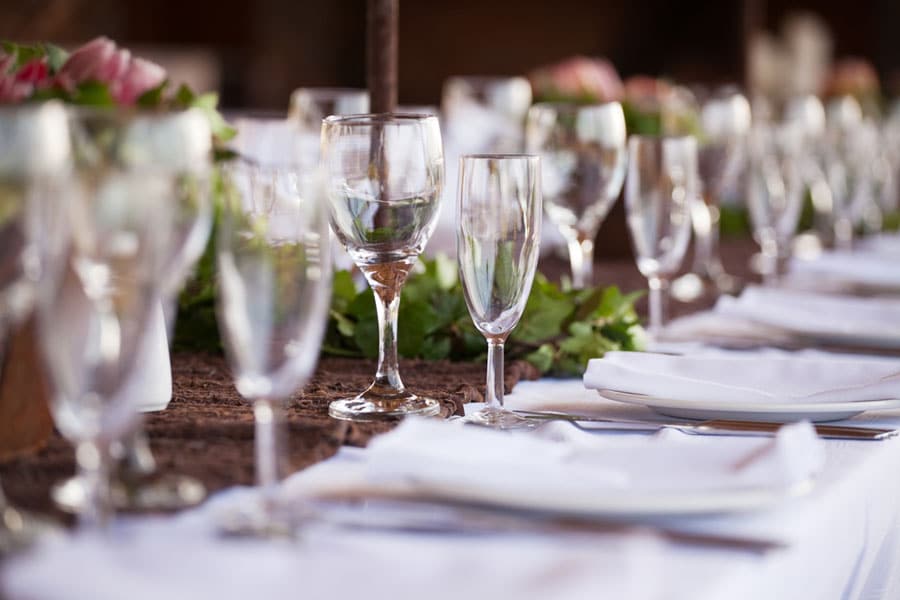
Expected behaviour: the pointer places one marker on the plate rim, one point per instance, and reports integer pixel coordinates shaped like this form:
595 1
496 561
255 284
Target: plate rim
749 407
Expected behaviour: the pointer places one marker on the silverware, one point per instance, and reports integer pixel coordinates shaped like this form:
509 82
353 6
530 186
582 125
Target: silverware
441 518
712 427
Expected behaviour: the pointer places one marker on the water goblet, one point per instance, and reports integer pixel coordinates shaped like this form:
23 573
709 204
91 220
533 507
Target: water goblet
94 317
34 163
498 243
485 113
583 154
309 105
724 120
659 189
275 281
385 176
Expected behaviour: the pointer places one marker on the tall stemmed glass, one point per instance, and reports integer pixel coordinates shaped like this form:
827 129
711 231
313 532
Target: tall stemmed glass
94 318
385 176
309 105
582 149
725 120
275 282
34 162
659 190
775 185
180 141
497 244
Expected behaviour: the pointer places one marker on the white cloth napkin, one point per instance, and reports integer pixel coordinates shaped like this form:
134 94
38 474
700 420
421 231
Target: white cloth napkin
559 463
757 379
842 269
778 315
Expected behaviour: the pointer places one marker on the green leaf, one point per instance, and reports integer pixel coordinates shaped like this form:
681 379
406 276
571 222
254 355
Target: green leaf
184 96
153 97
56 57
93 93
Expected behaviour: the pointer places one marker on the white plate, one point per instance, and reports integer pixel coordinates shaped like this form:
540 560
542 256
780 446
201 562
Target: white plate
750 411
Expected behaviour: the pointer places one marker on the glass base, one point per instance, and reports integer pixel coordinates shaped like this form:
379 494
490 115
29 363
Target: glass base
690 287
499 419
370 406
20 529
163 493
256 520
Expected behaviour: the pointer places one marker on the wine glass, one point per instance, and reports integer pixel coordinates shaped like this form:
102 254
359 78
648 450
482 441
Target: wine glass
582 150
309 105
844 170
725 120
184 139
93 318
385 176
274 283
662 183
485 113
775 186
498 243
34 163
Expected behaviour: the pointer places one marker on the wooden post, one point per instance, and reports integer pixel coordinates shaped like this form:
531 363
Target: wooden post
25 422
381 54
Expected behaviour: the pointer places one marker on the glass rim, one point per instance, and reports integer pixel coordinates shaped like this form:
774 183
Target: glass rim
487 78
572 106
370 119
653 137
500 156
127 113
319 91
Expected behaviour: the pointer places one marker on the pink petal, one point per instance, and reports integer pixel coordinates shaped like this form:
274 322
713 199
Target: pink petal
142 76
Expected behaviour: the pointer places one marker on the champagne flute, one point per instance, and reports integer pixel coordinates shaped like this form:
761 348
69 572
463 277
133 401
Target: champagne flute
775 185
498 243
582 149
659 189
274 281
34 162
94 318
385 176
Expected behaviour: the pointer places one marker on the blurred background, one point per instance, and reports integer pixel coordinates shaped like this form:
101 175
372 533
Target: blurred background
255 52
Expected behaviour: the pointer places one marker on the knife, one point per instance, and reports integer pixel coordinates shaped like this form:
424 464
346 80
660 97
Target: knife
713 427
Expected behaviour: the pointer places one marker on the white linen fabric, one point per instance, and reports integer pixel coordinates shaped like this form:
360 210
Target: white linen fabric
751 378
781 315
565 460
843 544
840 268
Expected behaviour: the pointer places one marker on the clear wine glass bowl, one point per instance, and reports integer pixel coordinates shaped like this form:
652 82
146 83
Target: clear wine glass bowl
275 281
583 154
659 189
94 317
384 178
35 159
498 243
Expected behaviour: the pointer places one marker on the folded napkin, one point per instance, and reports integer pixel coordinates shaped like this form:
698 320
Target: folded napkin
839 269
560 465
779 315
757 379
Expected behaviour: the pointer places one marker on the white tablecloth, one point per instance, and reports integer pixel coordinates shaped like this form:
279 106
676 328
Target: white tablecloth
844 543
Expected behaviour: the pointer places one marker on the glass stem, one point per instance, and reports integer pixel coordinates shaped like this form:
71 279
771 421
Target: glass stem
493 397
657 301
92 458
267 418
843 233
581 258
387 304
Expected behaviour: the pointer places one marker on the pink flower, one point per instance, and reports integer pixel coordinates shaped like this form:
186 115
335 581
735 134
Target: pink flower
35 72
12 89
645 93
578 78
853 77
101 60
